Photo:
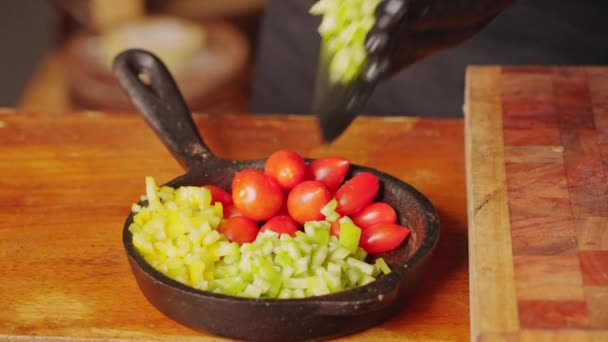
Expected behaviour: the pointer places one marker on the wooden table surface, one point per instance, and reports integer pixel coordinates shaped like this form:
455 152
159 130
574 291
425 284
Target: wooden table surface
68 181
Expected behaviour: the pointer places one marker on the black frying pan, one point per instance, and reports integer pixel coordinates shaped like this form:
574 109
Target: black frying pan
154 92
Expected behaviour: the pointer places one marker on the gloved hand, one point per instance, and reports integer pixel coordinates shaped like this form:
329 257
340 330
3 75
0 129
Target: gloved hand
407 31
403 32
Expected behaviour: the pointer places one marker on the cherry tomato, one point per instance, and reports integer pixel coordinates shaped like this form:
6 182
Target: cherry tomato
231 210
383 237
374 214
306 200
356 193
219 195
330 171
335 228
282 224
287 167
283 209
256 195
239 229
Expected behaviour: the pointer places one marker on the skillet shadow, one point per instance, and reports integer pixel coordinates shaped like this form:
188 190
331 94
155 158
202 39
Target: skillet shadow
450 257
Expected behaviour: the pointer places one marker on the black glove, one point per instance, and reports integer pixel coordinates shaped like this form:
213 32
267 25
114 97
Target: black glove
407 31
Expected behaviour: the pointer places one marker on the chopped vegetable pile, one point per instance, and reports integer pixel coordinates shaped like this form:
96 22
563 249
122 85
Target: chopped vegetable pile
313 241
344 29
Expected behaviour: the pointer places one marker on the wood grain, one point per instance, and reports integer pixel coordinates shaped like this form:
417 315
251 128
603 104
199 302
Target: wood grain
533 154
594 265
68 181
553 314
563 335
529 114
548 278
559 235
578 143
551 128
538 188
598 90
493 308
534 137
597 302
546 335
526 85
592 233
582 171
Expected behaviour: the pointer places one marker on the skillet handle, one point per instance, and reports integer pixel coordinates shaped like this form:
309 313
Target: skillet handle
159 100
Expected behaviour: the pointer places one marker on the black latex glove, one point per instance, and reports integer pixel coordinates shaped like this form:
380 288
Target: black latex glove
407 31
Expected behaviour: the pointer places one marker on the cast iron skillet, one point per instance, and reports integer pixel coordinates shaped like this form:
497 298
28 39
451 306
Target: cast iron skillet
160 102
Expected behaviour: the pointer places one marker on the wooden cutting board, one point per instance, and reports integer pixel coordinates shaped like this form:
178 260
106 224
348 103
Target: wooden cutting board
537 182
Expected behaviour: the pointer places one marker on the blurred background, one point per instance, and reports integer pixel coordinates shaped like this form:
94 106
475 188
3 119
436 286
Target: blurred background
57 53
258 56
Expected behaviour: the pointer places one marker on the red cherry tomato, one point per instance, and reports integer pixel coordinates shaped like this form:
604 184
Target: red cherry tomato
330 171
374 214
219 195
239 229
383 237
335 228
256 195
282 224
356 193
287 167
283 209
231 210
306 200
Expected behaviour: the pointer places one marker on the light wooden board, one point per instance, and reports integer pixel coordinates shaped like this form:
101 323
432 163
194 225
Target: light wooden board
493 308
537 179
